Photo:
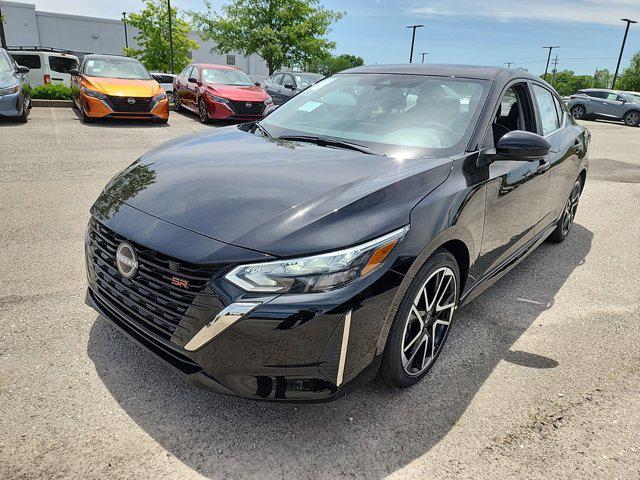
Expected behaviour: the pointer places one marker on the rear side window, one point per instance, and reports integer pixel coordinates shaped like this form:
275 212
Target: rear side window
29 61
547 108
597 94
62 64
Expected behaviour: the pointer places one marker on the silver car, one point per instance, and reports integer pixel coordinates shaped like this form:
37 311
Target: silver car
611 104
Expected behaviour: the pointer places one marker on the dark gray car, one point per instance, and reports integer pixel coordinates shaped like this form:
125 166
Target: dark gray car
14 89
284 85
611 104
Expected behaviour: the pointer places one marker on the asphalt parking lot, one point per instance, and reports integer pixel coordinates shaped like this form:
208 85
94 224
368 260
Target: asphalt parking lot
540 378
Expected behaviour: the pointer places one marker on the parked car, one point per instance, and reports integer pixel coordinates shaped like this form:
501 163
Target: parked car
295 257
46 65
285 85
14 88
165 80
219 92
600 103
109 86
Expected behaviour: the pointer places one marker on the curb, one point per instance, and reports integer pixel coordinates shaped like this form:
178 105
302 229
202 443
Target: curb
39 102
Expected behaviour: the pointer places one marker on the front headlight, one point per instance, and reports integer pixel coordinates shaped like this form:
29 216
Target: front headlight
216 98
317 273
94 94
159 97
268 101
10 90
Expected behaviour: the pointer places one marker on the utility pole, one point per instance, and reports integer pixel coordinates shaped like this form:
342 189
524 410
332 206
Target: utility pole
546 69
555 65
126 37
170 38
624 40
423 54
413 39
3 39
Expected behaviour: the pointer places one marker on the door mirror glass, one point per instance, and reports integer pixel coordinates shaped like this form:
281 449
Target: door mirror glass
289 86
22 69
74 71
257 84
192 80
521 145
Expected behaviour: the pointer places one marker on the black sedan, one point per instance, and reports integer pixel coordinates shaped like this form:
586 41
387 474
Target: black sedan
296 257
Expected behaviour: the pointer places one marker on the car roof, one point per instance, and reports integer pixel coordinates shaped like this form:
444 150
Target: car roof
214 66
443 70
95 56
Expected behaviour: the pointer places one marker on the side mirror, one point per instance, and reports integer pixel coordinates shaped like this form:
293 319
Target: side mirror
22 69
289 86
523 146
74 71
192 80
257 84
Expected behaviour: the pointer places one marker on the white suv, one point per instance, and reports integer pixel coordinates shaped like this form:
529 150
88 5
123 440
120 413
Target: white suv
46 65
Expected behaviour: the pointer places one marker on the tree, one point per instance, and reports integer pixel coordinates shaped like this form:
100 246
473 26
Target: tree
334 64
282 32
630 78
153 24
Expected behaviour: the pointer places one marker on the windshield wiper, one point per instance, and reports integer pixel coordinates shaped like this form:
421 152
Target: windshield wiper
329 142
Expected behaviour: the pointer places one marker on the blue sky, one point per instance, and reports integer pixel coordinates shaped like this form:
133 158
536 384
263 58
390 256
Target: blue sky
457 31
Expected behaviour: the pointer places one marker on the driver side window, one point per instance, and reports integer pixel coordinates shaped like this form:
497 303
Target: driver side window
514 112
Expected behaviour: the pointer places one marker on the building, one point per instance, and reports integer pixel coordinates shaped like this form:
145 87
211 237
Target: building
27 27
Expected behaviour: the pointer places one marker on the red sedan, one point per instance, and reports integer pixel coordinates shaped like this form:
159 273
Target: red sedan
219 92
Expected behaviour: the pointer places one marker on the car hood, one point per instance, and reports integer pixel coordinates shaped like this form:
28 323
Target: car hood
7 79
249 93
273 196
121 87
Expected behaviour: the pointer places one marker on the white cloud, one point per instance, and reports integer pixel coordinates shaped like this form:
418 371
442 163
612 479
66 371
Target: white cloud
607 12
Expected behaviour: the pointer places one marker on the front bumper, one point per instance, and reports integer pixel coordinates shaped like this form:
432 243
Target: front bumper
96 108
224 111
11 105
307 347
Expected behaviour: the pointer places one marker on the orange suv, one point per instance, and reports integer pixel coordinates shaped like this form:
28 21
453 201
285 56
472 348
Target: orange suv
117 87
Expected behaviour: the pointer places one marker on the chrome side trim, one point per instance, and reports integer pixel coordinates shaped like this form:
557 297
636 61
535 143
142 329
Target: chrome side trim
343 348
223 320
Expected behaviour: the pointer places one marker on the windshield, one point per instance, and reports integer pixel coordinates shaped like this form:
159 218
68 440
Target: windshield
303 81
116 68
631 97
390 113
226 77
5 64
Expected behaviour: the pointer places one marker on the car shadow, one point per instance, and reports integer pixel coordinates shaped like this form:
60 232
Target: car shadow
121 122
10 122
373 431
213 123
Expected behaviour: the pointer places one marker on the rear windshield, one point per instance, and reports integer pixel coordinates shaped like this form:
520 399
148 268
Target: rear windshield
116 68
29 61
62 64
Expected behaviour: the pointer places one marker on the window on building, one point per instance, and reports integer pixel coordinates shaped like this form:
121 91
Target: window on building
231 59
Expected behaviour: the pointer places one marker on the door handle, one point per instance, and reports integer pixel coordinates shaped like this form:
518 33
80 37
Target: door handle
544 166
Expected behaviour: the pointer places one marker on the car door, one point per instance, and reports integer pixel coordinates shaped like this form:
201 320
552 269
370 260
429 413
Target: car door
275 88
568 146
595 103
614 105
192 87
288 90
515 190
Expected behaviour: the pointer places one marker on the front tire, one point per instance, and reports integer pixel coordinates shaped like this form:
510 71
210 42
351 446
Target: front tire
421 325
632 118
568 214
202 111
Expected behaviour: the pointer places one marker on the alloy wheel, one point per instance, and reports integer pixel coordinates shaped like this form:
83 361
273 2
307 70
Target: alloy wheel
428 321
577 112
570 208
632 119
203 112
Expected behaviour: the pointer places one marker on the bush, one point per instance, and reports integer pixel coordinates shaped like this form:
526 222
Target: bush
52 91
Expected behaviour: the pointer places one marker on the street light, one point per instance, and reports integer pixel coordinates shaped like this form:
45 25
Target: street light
423 54
126 37
624 40
413 39
546 69
170 38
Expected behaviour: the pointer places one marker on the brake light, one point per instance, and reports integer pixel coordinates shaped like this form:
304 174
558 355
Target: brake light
47 79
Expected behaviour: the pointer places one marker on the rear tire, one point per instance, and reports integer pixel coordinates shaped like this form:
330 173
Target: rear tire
579 112
632 118
421 324
568 214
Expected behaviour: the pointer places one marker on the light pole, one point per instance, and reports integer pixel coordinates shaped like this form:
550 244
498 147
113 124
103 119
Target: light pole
624 40
413 39
508 64
126 37
3 39
546 69
170 38
423 54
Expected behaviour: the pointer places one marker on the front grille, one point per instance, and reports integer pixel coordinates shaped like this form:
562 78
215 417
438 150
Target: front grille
240 107
150 299
121 104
